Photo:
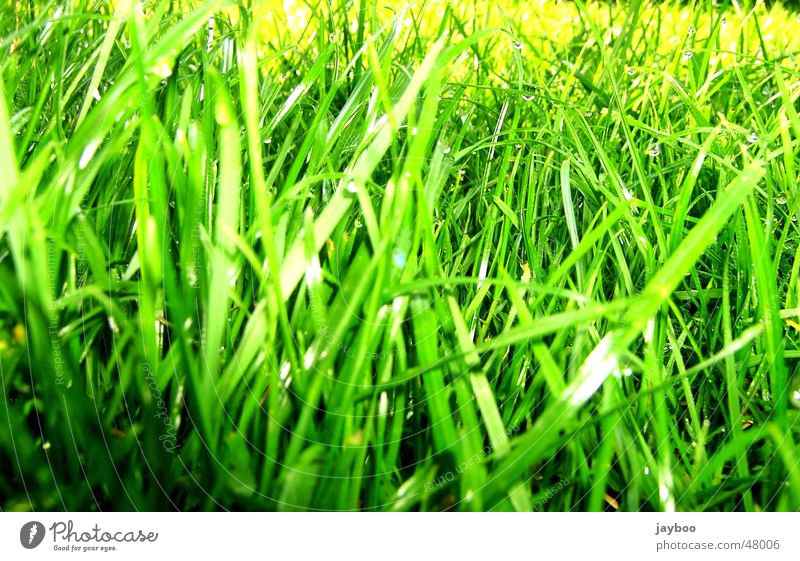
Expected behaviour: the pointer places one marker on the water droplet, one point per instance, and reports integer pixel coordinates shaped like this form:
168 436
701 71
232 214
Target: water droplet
518 45
518 146
654 151
753 138
781 200
691 30
162 68
352 187
332 37
268 141
308 359
687 55
399 257
527 97
414 131
631 72
589 113
447 150
627 194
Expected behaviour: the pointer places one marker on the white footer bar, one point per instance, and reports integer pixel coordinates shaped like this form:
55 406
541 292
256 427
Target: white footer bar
383 536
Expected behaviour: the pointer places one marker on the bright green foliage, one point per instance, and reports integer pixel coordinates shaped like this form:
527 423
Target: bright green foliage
418 260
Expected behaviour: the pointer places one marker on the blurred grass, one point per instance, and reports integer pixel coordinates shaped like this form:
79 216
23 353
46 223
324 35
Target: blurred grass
425 256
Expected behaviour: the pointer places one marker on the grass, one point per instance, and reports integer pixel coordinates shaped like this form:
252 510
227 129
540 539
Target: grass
477 256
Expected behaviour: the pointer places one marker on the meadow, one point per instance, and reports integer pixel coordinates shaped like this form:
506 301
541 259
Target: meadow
487 256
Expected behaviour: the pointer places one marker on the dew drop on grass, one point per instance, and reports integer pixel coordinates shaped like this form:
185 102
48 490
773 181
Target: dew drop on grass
691 30
631 72
308 359
780 200
352 187
627 194
687 55
284 372
518 45
753 138
162 68
654 151
447 150
399 257
527 97
414 131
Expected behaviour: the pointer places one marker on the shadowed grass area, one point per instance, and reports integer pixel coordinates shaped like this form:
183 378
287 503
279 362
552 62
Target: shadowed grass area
433 256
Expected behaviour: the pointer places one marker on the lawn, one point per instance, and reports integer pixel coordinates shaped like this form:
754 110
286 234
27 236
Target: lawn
490 256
